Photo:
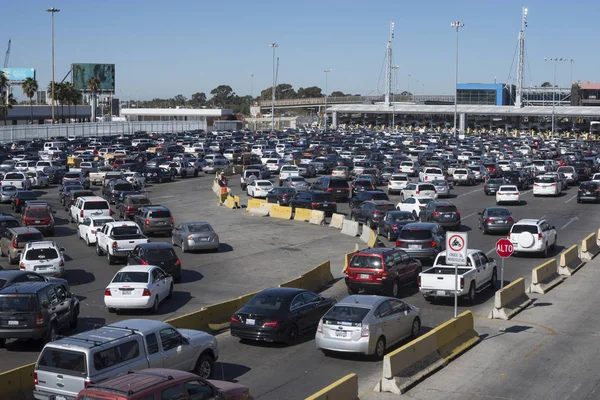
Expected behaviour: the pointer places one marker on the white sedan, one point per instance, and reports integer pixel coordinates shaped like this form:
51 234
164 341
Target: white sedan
88 227
138 287
414 204
508 194
135 178
259 188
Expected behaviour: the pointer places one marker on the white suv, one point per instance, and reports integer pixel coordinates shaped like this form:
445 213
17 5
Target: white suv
86 206
397 183
533 236
44 258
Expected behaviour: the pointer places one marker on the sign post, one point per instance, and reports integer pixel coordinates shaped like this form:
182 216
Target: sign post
504 249
456 254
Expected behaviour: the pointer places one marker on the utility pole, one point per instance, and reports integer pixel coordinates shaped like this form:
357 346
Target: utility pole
457 25
521 61
52 11
394 103
327 71
388 70
554 61
273 46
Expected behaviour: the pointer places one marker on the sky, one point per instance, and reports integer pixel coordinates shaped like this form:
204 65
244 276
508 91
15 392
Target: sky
166 48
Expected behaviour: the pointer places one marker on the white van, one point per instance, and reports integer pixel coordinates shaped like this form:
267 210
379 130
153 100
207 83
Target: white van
87 206
258 149
49 145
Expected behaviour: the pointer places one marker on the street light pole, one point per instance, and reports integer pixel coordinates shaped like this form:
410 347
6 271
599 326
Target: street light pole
554 61
52 10
273 46
327 71
457 25
393 102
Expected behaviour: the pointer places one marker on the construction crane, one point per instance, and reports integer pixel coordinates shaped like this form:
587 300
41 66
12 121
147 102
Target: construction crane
7 56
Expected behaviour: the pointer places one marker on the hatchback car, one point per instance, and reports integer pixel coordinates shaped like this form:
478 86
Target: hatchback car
43 257
196 235
414 204
361 185
281 195
157 253
296 182
444 213
392 223
495 220
155 220
422 240
419 189
279 315
367 325
6 193
14 240
371 212
588 191
547 185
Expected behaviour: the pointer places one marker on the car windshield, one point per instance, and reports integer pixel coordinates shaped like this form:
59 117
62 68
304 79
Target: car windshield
297 179
446 209
545 179
415 234
139 200
369 262
266 301
498 212
41 254
123 186
124 230
16 303
427 187
160 214
101 222
197 228
343 313
161 254
29 237
338 183
525 228
264 184
385 207
131 277
440 183
26 195
403 217
95 205
322 198
9 188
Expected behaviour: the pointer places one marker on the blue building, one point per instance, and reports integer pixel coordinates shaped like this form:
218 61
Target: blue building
488 94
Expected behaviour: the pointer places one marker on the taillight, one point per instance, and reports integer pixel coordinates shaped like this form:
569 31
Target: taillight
235 318
128 208
35 378
147 222
144 262
314 204
399 243
270 324
320 326
62 263
462 283
87 383
14 243
172 221
107 292
178 262
419 280
417 192
39 321
510 220
435 214
457 212
539 236
146 293
81 213
433 243
21 266
17 202
364 330
489 220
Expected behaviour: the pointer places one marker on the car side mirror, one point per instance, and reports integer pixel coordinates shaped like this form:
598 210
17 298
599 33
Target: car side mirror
552 227
62 249
491 259
478 213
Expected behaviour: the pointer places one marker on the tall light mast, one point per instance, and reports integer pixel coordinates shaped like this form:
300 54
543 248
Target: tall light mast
388 67
521 61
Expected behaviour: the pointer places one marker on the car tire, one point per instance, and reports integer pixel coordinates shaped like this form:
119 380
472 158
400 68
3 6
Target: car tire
112 310
99 251
428 299
155 305
379 348
472 293
545 251
415 329
160 179
395 289
2 343
109 258
74 319
204 366
292 334
389 236
195 173
170 295
493 280
173 243
11 260
369 223
183 174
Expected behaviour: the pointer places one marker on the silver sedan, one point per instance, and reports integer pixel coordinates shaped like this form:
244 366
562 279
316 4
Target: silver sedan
296 182
6 192
442 187
367 325
197 235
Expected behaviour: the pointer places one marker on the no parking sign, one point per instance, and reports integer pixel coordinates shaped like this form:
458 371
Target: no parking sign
456 248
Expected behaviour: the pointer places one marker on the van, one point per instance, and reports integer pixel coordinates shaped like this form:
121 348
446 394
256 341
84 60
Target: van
59 145
86 206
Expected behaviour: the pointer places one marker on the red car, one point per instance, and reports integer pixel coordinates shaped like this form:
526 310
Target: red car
40 217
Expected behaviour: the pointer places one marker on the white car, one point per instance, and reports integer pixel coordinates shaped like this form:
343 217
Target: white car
419 189
88 227
411 168
397 183
138 287
506 165
431 174
533 236
546 185
259 188
414 204
38 179
340 172
564 183
135 178
463 176
568 171
44 258
87 206
275 164
508 194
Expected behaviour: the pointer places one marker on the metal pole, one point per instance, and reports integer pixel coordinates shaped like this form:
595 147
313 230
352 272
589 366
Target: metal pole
502 274
553 98
455 290
456 25
52 13
273 45
326 96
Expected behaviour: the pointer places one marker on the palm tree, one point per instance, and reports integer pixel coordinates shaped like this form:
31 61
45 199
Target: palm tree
30 87
68 95
6 100
93 86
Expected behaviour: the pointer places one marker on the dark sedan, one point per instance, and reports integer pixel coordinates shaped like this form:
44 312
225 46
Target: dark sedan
392 223
314 200
157 253
281 195
495 220
158 175
18 199
279 315
361 185
588 191
370 212
65 192
367 195
491 185
10 277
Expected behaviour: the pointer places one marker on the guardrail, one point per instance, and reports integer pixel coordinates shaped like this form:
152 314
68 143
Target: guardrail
356 100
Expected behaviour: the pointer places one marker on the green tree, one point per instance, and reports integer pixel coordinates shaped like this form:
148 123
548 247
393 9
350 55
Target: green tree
30 87
546 84
7 101
310 92
198 99
405 93
338 94
222 95
180 100
282 91
93 86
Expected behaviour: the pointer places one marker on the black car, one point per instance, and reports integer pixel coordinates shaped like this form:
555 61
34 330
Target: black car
370 212
158 175
392 222
444 213
491 185
583 170
495 220
337 187
314 200
588 191
279 315
367 195
518 178
361 185
7 221
281 195
65 192
113 189
13 276
18 199
157 253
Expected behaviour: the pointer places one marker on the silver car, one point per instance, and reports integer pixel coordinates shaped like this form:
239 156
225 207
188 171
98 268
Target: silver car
442 187
367 325
296 182
6 192
195 236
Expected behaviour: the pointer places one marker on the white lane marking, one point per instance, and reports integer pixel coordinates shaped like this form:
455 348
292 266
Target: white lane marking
566 201
165 197
570 222
472 191
491 251
470 215
527 191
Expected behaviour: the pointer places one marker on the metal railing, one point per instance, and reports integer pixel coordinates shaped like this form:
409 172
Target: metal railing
357 100
46 131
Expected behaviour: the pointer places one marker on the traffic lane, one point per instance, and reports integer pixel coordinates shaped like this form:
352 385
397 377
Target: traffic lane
255 253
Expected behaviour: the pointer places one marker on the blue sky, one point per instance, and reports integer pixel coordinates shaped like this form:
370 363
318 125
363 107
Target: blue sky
163 48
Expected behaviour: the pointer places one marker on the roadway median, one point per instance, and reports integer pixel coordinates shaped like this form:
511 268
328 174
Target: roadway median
545 277
570 261
510 301
589 247
337 221
17 383
350 228
280 212
345 388
302 214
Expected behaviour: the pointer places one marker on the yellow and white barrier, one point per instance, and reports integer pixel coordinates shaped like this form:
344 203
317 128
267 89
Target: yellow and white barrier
263 210
545 277
280 212
373 239
254 203
317 217
302 214
569 261
314 279
345 388
17 383
589 247
337 220
366 234
405 366
350 228
510 301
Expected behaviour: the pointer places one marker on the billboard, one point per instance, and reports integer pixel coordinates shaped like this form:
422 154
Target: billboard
18 74
104 72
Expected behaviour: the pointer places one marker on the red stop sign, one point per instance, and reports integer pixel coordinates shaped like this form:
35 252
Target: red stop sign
504 248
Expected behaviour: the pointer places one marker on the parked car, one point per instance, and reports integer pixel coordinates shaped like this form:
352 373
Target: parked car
397 183
195 235
281 195
414 204
546 185
138 287
155 220
14 240
43 257
419 189
89 226
259 188
337 187
279 315
296 182
392 223
6 193
495 220
371 212
367 325
533 236
314 200
588 191
157 253
422 240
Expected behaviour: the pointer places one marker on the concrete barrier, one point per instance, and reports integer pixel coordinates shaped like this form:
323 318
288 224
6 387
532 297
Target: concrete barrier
280 212
589 247
314 279
545 277
366 233
216 188
237 201
510 301
231 203
17 383
337 220
317 217
419 358
254 203
302 214
195 320
373 239
263 210
342 389
350 228
569 261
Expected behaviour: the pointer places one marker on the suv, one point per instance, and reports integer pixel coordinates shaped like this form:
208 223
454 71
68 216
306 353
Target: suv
517 178
131 204
257 174
36 310
337 187
43 257
397 183
74 195
533 236
365 196
113 188
157 253
314 200
371 212
14 240
155 383
40 217
422 240
19 199
381 269
444 213
87 206
155 219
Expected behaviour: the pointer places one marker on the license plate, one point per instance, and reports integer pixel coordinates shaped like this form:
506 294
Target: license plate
340 333
13 323
160 223
37 222
414 246
126 292
41 267
364 276
59 398
250 321
204 239
440 292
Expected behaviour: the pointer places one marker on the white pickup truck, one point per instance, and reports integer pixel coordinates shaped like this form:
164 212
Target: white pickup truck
287 171
431 174
117 239
17 179
479 274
